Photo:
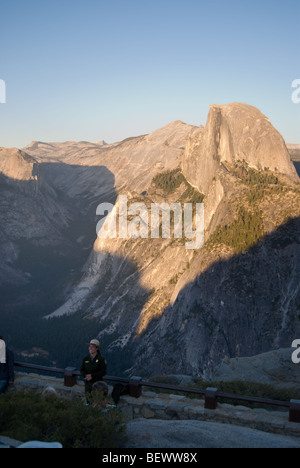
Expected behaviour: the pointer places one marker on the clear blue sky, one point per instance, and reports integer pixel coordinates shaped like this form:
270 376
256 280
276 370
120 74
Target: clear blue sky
94 69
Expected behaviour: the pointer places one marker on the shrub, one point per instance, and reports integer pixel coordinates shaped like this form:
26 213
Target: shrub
243 233
27 415
169 181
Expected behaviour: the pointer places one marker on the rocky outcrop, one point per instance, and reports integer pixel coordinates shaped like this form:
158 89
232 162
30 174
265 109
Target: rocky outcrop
31 213
42 207
186 434
94 174
274 368
235 132
17 165
239 306
31 207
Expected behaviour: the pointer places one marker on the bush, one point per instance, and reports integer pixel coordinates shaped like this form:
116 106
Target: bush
243 233
169 181
27 415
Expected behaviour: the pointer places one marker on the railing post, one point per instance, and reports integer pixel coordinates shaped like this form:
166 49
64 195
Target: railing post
135 387
69 377
211 398
294 413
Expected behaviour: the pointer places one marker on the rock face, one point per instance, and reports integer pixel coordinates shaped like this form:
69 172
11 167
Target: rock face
161 307
133 161
42 208
243 305
270 368
31 212
17 165
235 132
49 196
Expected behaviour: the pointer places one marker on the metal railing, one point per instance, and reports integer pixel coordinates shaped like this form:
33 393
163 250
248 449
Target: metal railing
135 385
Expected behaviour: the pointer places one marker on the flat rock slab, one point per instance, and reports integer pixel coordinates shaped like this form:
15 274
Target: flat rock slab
201 434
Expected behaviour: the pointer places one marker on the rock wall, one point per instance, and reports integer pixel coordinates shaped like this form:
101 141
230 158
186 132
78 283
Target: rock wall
173 407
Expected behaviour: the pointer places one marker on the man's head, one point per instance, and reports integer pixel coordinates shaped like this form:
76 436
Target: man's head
94 346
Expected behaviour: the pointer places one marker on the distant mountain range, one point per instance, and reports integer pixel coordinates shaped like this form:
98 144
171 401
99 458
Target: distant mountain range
156 306
294 151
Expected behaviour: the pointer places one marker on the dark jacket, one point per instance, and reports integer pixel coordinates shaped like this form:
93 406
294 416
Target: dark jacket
96 367
7 369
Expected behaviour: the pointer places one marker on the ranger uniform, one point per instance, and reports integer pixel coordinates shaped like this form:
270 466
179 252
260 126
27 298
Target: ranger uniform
94 365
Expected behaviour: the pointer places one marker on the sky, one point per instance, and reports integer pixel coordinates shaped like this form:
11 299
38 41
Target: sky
94 69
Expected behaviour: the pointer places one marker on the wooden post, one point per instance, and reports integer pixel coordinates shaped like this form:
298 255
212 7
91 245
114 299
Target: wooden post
211 398
294 414
69 377
135 388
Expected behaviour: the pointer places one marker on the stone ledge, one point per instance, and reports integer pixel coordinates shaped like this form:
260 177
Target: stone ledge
174 407
166 407
41 382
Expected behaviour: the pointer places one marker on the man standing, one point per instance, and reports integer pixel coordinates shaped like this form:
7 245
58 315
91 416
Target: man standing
93 367
7 375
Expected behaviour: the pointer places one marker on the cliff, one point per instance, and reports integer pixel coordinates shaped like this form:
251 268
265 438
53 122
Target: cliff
235 132
162 307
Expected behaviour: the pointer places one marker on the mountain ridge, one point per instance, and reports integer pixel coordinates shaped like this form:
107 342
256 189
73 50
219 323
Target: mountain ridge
144 293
